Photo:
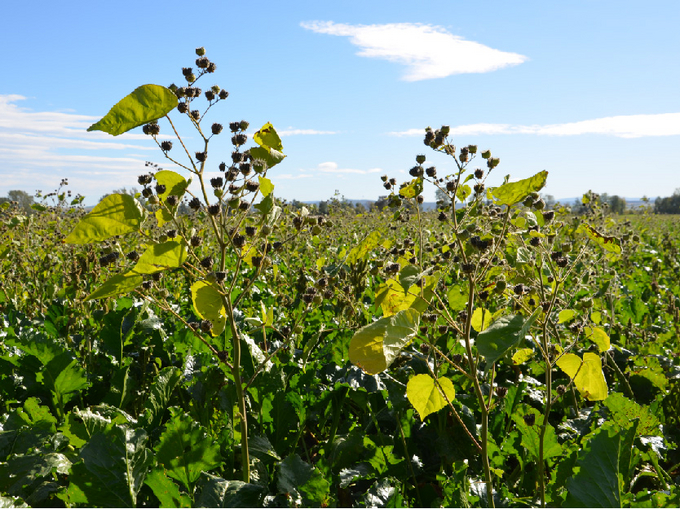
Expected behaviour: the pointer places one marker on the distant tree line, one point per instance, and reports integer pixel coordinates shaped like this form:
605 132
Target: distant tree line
668 205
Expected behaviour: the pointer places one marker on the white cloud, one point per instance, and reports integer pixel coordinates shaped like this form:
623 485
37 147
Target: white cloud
38 148
427 51
331 167
621 126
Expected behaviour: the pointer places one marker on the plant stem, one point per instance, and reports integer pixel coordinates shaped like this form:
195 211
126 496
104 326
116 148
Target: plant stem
240 395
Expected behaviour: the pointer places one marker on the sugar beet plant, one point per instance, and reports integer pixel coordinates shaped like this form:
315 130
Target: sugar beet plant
221 262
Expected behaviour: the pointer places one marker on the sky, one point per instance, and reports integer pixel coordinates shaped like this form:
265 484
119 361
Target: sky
587 90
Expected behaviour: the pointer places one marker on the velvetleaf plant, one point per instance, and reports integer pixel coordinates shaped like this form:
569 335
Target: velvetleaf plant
166 233
497 284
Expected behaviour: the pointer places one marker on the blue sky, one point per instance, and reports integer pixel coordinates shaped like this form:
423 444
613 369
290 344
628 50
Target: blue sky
586 89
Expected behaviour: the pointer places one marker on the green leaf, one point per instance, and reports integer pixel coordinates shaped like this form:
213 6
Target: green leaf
299 478
113 469
166 491
218 492
566 315
266 186
588 372
426 396
117 285
624 412
143 105
208 305
611 245
458 297
599 337
63 376
375 346
463 192
502 334
157 257
603 466
413 189
175 184
514 192
361 251
117 214
185 450
531 439
268 138
159 395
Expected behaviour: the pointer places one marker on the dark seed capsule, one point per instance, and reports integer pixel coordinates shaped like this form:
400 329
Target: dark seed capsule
530 419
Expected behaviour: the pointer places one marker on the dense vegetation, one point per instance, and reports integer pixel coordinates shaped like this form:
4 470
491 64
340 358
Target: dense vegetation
226 349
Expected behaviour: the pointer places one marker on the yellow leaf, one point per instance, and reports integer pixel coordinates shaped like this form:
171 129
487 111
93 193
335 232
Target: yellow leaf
522 355
589 378
481 318
426 397
599 337
208 305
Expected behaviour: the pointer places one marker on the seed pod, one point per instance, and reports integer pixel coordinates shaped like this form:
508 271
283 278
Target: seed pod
530 419
486 154
420 159
206 326
501 392
207 262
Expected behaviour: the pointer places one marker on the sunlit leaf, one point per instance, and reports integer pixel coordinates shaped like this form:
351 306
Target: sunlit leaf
589 378
146 103
117 214
514 192
566 315
611 245
375 346
426 397
266 186
119 284
413 189
268 138
481 318
158 257
458 297
463 192
208 305
599 337
522 355
361 251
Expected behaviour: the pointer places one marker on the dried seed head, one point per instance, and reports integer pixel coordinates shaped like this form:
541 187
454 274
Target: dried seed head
530 419
207 262
206 326
166 146
133 256
216 128
479 173
214 210
216 182
194 204
501 392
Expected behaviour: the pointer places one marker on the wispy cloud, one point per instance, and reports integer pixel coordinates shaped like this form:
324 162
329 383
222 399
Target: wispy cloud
621 126
38 148
331 167
428 51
